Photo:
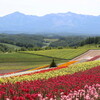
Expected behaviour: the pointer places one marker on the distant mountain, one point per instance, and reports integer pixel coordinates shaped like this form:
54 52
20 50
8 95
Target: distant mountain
62 23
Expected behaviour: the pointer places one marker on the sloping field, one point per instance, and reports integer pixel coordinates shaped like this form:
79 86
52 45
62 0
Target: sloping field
59 53
87 55
11 62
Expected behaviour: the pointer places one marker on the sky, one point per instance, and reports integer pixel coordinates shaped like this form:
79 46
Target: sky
43 7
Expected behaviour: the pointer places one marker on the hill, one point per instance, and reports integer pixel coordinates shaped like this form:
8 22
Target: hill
62 23
11 46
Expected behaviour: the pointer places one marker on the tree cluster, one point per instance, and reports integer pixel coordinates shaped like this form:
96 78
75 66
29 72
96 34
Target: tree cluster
70 41
90 40
22 40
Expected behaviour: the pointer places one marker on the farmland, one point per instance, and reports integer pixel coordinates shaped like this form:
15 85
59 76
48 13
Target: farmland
61 83
29 59
59 53
32 59
23 61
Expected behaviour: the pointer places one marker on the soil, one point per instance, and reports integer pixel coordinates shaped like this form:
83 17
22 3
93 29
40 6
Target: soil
8 71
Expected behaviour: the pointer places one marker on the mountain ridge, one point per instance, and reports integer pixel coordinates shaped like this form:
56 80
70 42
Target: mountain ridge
50 23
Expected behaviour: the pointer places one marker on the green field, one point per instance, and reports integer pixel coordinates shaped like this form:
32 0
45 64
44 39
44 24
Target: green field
51 40
48 41
23 61
60 53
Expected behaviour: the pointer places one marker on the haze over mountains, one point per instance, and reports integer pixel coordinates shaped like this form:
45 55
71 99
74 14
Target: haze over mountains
65 23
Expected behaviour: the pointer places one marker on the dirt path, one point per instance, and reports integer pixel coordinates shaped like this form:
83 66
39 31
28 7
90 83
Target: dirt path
7 71
87 55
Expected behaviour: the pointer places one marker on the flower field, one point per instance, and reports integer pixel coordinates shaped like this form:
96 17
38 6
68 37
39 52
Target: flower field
54 72
81 82
66 82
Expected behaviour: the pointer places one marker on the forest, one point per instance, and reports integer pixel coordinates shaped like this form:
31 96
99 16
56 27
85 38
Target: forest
25 42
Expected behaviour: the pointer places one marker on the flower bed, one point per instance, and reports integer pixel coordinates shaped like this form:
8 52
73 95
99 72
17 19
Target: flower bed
54 73
53 87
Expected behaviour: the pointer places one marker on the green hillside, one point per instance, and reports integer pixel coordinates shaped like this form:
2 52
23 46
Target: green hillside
60 53
23 61
11 46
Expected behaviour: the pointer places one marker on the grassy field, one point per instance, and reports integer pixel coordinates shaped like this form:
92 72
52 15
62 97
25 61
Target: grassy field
48 41
51 40
23 61
60 53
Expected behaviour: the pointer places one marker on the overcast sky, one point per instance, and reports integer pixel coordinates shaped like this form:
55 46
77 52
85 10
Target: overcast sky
43 7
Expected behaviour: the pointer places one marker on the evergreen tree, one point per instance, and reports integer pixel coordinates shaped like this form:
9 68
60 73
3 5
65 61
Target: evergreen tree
53 64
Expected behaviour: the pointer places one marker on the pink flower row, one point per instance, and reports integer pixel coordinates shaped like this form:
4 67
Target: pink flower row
87 93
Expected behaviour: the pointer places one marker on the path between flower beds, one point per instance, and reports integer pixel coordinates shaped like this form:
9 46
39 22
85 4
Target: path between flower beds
20 73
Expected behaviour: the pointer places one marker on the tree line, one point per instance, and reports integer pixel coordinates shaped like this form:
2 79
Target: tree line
90 40
37 42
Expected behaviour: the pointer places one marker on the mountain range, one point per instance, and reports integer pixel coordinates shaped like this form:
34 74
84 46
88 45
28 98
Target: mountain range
62 23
